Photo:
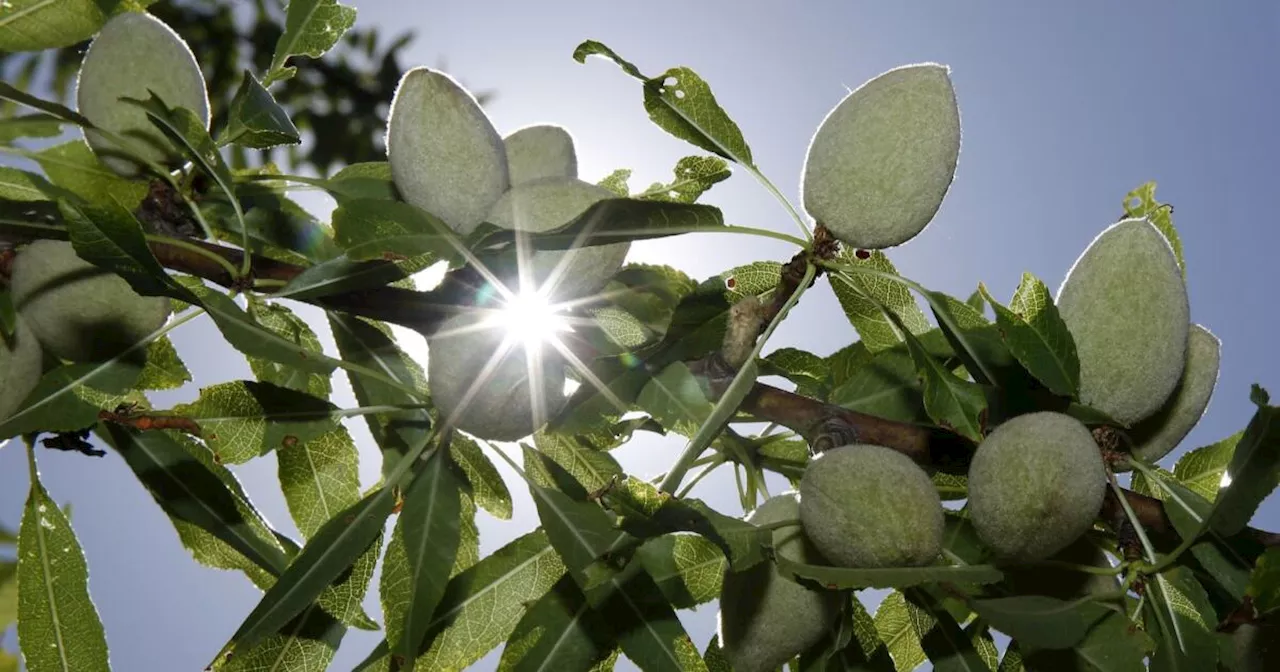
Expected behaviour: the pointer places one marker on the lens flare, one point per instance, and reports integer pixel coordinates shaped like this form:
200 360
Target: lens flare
530 319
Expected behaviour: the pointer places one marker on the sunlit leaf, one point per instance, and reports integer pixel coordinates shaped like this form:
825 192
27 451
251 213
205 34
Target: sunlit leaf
256 120
67 397
164 370
1181 621
33 25
687 568
858 295
694 175
243 419
487 487
1037 336
832 578
286 324
560 631
1254 469
896 621
1201 470
1141 202
311 28
306 644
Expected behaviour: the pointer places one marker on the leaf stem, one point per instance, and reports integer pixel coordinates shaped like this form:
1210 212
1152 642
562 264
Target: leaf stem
766 233
196 249
707 468
786 203
1147 548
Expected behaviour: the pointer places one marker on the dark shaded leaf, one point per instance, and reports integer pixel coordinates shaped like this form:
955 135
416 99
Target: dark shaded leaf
1038 337
560 631
1181 621
1254 470
1041 622
69 397
256 120
831 578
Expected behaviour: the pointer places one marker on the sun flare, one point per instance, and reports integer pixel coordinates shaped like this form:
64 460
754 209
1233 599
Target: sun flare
532 320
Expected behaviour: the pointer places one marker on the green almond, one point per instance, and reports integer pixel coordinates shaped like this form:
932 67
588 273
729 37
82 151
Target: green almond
881 162
20 365
445 155
1035 485
544 150
1158 435
136 54
1125 304
77 311
546 204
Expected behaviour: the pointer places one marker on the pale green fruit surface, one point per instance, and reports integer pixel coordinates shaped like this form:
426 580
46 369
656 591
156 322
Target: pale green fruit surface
77 311
1035 485
1257 646
446 157
544 150
1159 434
869 506
501 403
546 204
881 162
19 368
135 52
766 619
1125 304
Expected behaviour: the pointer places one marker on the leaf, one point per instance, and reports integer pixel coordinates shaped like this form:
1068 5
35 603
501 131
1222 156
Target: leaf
481 606
807 370
952 403
560 631
250 338
1254 470
319 478
1264 584
58 625
256 120
429 524
1181 620
886 386
487 486
338 275
66 398
858 295
895 621
193 494
8 593
284 323
371 347
306 644
164 370
648 512
676 399
336 546
311 28
371 179
646 626
33 25
594 469
580 531
187 131
374 229
754 279
831 578
1040 622
688 569
75 168
694 176
1113 644
1141 202
612 220
1188 512
947 646
109 236
244 419
1201 470
21 186
1037 336
29 126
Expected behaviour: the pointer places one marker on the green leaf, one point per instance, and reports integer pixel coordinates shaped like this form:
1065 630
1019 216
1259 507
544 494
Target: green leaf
58 625
256 120
109 236
374 229
284 323
487 486
481 606
617 182
1113 644
75 168
694 176
948 647
646 626
688 569
886 386
858 295
1254 470
676 399
69 397
21 186
899 624
187 131
682 104
244 419
560 631
1201 470
29 126
34 25
1037 336
807 370
1189 512
1041 622
952 403
319 478
648 512
371 179
593 468
580 531
341 274
612 220
754 279
429 525
344 599
336 546
372 347
247 336
311 28
831 578
1141 202
1181 620
194 495
164 370
8 594
305 644
1264 584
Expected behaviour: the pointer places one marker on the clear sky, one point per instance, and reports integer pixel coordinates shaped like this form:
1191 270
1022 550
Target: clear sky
1064 107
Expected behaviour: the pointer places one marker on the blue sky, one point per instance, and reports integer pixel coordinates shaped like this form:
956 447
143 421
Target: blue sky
1064 108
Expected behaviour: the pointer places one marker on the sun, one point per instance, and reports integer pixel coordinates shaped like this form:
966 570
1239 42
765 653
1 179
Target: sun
532 320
